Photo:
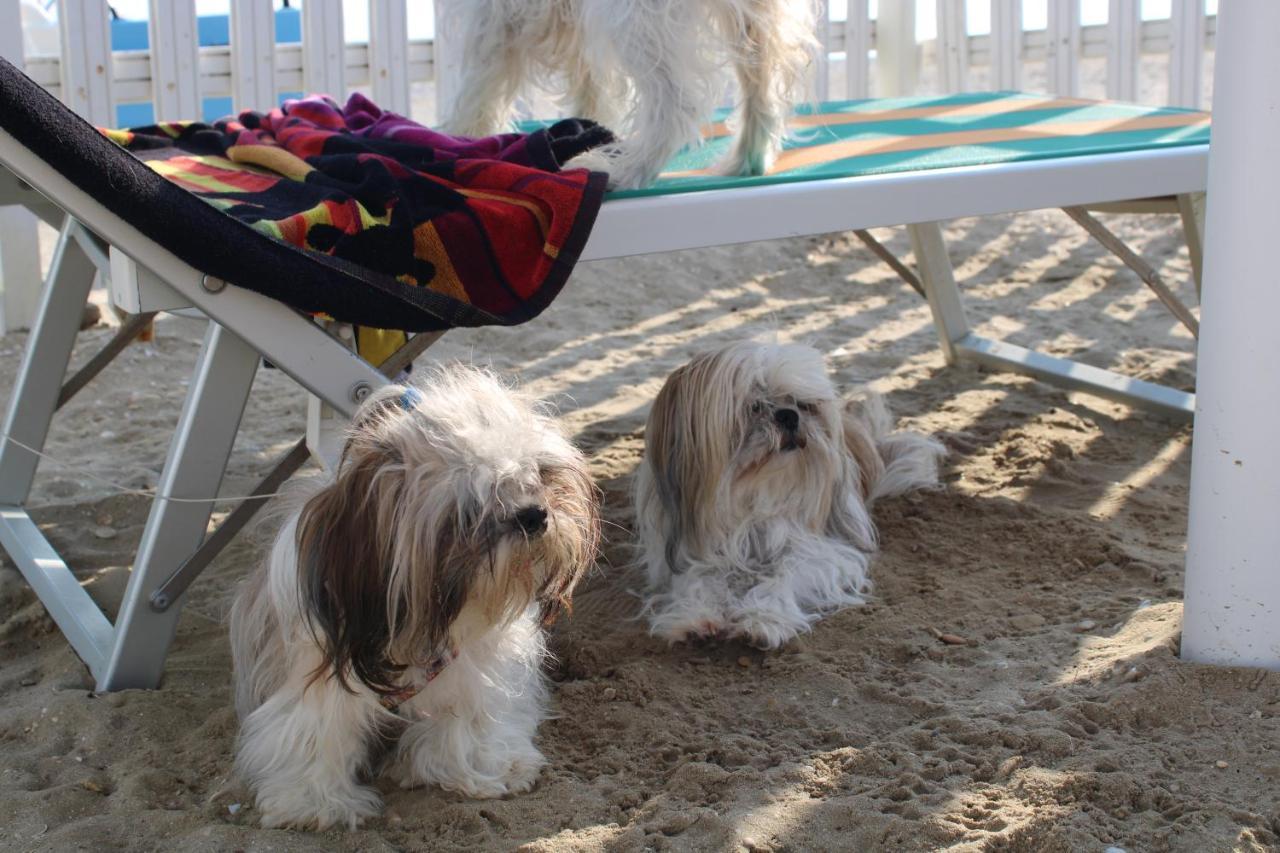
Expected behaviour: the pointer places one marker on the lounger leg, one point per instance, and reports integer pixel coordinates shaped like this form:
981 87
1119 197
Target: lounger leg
35 395
1191 206
961 345
939 286
197 459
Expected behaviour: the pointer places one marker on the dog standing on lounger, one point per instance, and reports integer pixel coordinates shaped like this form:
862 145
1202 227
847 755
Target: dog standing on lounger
407 596
752 496
649 68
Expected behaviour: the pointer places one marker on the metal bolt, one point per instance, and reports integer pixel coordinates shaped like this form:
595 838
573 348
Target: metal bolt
159 601
360 392
212 284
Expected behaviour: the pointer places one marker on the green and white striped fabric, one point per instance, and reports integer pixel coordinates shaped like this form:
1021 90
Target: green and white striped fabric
851 138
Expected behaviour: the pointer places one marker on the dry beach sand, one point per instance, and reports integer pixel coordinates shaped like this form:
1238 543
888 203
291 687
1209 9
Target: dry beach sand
1055 715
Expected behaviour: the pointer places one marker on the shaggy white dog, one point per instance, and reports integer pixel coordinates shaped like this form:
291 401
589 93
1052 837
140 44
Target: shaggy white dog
406 596
648 69
752 496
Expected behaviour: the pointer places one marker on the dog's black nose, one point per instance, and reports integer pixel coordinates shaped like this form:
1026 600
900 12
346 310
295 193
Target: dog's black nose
788 419
532 520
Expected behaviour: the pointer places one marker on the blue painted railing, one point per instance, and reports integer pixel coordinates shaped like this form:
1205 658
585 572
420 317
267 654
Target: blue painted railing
213 30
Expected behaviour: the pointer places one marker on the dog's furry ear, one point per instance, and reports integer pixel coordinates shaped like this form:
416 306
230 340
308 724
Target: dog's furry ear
684 450
862 467
863 422
344 559
576 499
376 599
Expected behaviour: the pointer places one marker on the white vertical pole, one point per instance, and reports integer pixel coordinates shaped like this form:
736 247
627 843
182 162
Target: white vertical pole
389 54
1232 611
86 59
19 246
1006 43
857 45
324 49
897 61
1187 52
821 82
253 55
175 60
953 46
1064 47
1123 42
446 55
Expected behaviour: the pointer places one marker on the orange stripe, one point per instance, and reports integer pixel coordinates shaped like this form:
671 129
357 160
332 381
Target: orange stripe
797 158
1002 106
428 245
532 207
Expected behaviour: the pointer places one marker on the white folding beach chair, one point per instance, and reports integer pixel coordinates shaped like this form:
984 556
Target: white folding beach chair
860 165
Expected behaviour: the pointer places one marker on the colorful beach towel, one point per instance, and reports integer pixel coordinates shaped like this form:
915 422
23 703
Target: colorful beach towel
492 223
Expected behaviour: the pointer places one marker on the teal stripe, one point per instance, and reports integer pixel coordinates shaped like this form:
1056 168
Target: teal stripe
708 155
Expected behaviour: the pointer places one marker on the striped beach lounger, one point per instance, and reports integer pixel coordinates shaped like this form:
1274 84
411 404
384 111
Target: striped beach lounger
874 137
853 165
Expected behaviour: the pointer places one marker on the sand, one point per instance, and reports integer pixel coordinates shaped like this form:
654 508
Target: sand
1063 718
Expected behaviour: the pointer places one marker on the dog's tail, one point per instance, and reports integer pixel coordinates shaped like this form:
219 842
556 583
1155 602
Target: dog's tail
890 463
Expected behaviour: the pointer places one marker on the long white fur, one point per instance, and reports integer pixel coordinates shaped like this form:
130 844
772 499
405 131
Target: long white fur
307 742
647 69
741 538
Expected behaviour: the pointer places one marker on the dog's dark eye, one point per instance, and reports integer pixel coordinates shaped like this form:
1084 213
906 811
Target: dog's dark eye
807 408
757 407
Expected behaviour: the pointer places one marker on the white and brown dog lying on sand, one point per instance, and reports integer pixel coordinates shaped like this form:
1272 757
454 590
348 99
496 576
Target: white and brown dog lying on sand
647 69
752 497
406 595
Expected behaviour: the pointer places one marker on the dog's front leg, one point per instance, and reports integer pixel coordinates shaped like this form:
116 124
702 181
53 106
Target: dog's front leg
475 723
763 112
303 750
494 65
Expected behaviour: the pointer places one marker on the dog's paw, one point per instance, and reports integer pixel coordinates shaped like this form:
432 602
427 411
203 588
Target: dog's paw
745 164
626 171
693 631
765 629
485 776
523 773
311 809
519 775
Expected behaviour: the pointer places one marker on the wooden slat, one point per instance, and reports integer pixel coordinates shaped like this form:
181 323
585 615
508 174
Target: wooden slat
253 55
85 27
388 54
857 46
953 46
323 46
897 58
1186 59
1006 44
1064 47
175 59
1124 25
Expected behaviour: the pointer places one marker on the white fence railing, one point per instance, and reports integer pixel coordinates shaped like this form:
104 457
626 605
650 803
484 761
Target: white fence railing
862 58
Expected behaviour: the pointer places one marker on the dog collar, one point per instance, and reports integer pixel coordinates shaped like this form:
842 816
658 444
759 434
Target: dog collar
410 398
433 668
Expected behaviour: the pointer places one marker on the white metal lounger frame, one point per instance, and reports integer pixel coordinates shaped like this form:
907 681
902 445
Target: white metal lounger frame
923 199
247 326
